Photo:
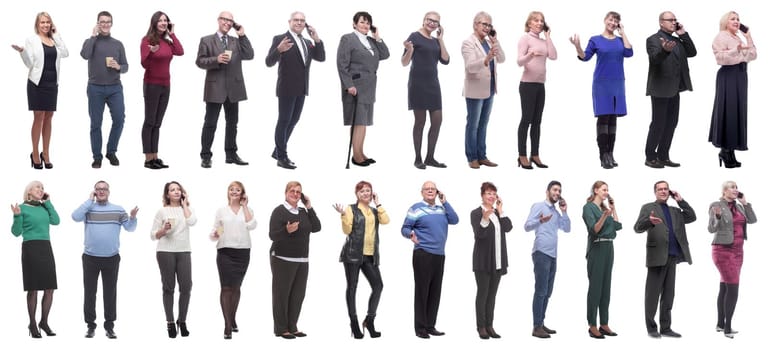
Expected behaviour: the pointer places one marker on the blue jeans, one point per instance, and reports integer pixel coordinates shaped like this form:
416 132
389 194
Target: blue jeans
478 112
112 96
544 268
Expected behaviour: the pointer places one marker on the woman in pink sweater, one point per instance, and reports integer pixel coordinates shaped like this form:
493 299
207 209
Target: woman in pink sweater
532 54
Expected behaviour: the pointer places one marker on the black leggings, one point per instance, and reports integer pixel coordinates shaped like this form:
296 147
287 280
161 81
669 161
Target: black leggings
373 275
532 105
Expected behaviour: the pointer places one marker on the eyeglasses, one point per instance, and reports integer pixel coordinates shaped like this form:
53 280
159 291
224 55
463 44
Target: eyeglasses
101 189
106 23
228 20
669 19
432 21
486 25
300 20
429 189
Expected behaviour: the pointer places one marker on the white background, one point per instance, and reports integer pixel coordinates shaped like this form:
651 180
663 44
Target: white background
319 146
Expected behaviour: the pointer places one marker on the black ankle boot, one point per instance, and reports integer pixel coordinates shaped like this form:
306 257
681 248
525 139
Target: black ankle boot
605 161
368 324
355 328
171 330
183 328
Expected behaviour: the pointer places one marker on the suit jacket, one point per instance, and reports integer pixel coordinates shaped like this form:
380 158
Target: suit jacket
357 67
484 253
34 59
723 227
292 73
477 76
223 81
668 71
657 243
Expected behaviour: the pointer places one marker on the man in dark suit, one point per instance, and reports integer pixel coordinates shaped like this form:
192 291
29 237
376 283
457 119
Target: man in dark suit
221 55
295 54
667 76
666 246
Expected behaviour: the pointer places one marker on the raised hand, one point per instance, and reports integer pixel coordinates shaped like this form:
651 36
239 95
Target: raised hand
15 209
654 219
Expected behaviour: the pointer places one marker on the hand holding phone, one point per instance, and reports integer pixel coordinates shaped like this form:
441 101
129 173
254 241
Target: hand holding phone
740 195
744 29
441 196
45 196
373 29
439 31
309 29
545 27
236 26
492 33
677 26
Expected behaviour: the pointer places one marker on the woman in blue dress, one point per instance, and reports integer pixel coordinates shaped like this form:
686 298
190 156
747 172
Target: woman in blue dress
425 50
608 98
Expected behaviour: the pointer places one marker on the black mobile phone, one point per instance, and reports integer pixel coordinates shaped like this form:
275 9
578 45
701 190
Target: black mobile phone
45 196
440 195
740 195
309 31
183 197
545 27
561 201
236 25
677 26
610 200
303 199
373 29
170 26
743 28
492 33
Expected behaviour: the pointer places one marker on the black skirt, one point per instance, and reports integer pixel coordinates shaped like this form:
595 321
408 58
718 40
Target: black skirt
38 266
728 128
232 265
42 97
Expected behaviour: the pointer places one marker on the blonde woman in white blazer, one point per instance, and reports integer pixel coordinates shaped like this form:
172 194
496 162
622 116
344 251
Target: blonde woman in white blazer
41 54
481 52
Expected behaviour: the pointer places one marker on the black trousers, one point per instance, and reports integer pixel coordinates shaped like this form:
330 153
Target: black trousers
485 300
660 281
155 103
373 275
108 268
289 112
428 284
532 96
664 115
289 285
209 128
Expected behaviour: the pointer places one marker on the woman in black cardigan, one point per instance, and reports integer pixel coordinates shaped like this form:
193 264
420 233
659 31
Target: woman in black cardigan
360 222
289 229
490 226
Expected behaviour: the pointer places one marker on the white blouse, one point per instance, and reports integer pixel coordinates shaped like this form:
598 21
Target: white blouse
177 238
233 230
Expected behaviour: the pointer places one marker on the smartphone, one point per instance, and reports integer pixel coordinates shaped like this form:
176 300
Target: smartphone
236 26
610 200
183 197
440 195
53 29
373 29
561 202
170 27
45 196
439 30
673 193
545 27
743 28
303 198
309 31
740 195
492 33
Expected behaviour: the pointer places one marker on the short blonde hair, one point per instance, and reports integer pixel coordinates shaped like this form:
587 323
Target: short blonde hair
238 184
29 187
724 19
726 186
291 184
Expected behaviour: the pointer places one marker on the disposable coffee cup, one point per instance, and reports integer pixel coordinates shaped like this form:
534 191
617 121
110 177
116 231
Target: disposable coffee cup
228 53
109 59
171 221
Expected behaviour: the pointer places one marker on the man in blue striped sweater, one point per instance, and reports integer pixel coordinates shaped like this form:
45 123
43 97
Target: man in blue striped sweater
103 221
426 225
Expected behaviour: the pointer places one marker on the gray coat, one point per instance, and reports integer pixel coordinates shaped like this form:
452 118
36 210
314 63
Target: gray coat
723 227
223 81
657 243
357 66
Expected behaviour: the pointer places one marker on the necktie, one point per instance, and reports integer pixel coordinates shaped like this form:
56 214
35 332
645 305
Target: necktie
305 52
224 41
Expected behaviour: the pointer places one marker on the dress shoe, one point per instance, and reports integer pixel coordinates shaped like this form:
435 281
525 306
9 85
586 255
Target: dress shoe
363 163
537 161
598 336
487 162
159 162
483 333
653 163
669 163
474 164
33 331
435 332
35 165
670 333
524 166
275 157
111 334
422 334
46 329
150 164
492 333
550 331
113 159
183 328
235 159
285 164
299 334
609 333
286 335
419 164
47 164
90 333
720 329
654 334
434 163
96 164
729 334
206 163
539 332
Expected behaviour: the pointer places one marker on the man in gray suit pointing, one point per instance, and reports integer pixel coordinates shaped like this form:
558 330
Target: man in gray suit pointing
221 55
666 246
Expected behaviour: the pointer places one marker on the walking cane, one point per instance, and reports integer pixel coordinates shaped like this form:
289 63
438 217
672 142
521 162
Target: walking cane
352 129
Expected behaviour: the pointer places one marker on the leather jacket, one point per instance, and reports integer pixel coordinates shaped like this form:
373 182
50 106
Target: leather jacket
352 251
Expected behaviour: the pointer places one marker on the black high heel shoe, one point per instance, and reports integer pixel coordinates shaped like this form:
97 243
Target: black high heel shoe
537 161
354 327
33 164
184 331
46 329
521 165
368 324
42 160
34 332
171 330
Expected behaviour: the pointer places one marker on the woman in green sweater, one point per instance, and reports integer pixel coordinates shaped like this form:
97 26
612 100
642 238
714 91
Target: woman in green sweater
599 214
32 220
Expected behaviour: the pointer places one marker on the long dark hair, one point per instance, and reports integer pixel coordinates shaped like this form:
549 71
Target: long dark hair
152 34
167 189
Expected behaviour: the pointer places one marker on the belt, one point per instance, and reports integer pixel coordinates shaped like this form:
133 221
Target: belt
603 240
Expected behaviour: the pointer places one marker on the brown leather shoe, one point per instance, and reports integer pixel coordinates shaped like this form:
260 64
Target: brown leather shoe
487 162
539 332
474 164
